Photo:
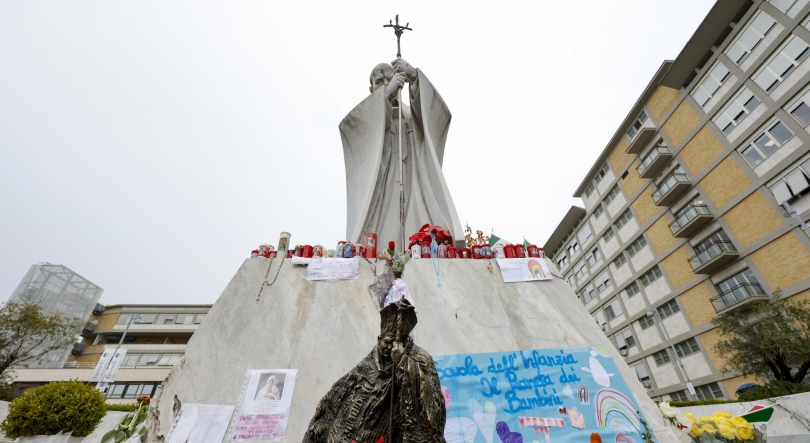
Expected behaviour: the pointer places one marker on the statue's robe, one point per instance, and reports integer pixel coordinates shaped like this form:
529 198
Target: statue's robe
357 407
371 154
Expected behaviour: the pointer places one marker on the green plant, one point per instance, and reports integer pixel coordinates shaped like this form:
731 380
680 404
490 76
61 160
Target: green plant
129 424
773 388
129 407
772 341
59 406
683 404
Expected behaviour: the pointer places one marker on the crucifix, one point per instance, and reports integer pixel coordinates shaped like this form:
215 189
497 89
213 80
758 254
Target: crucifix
398 31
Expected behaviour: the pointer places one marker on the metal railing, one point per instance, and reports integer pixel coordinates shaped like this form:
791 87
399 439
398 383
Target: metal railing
710 252
82 365
669 183
687 215
736 295
644 164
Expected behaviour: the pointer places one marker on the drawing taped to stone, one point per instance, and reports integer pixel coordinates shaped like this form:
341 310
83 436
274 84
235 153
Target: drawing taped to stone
525 396
523 269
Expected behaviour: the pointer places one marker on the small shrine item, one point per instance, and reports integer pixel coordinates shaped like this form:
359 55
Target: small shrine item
273 254
464 253
451 252
476 252
533 251
370 246
317 251
339 248
486 251
254 253
284 243
442 251
307 251
416 251
520 252
299 251
289 254
509 251
330 253
357 250
425 250
347 250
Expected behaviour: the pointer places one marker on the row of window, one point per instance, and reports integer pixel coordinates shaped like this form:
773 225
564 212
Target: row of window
150 359
129 339
134 390
162 319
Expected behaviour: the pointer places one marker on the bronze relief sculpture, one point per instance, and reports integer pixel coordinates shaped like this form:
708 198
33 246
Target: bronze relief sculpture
393 393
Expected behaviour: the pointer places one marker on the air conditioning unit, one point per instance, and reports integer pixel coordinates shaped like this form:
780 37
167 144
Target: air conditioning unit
647 384
604 327
623 352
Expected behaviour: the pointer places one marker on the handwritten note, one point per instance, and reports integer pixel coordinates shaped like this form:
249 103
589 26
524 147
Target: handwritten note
334 269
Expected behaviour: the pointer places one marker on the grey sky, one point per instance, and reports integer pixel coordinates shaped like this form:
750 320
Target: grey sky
151 145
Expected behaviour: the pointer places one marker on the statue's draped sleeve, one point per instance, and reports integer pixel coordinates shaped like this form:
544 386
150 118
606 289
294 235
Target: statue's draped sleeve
420 400
363 134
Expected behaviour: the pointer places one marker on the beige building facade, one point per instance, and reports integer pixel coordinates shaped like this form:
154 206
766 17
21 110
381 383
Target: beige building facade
683 210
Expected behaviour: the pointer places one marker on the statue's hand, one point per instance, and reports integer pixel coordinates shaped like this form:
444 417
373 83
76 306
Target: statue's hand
396 83
397 352
402 66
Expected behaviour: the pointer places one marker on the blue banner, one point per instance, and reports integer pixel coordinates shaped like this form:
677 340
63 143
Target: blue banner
534 396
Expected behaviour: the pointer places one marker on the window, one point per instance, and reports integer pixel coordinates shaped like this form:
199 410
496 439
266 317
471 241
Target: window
708 392
130 359
678 396
746 277
632 289
801 110
782 5
793 185
580 270
612 194
625 339
697 201
602 172
603 282
614 309
165 319
150 341
132 390
620 260
750 37
168 341
669 308
600 318
589 190
596 254
607 235
123 319
661 357
687 347
598 211
148 359
562 261
573 247
636 125
711 83
636 246
766 143
571 279
168 359
184 319
584 233
589 293
624 218
782 64
645 322
718 237
147 319
651 276
736 111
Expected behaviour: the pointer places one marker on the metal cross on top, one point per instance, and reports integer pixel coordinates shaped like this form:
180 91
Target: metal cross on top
398 31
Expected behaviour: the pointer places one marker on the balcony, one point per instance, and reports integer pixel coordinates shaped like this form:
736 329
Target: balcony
717 254
738 296
671 188
88 328
652 164
691 219
644 135
78 348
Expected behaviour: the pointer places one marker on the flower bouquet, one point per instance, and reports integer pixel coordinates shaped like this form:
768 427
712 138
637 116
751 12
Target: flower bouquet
423 235
720 427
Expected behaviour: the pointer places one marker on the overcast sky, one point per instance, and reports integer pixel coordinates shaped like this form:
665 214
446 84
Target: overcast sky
151 145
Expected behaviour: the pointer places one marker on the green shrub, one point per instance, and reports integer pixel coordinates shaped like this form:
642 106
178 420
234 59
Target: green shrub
773 388
59 406
129 407
683 404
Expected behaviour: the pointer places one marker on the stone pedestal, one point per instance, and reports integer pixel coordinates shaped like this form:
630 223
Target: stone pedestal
324 328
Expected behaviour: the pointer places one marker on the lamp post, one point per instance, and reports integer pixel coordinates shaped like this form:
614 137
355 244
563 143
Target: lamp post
689 386
102 385
792 213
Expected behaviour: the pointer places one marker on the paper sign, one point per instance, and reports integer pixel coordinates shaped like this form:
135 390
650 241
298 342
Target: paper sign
265 405
200 424
523 269
334 269
115 363
101 365
518 397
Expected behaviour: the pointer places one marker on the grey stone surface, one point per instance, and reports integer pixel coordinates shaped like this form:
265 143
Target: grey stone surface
324 328
790 420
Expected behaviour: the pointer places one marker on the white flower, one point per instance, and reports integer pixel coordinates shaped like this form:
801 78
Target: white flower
667 410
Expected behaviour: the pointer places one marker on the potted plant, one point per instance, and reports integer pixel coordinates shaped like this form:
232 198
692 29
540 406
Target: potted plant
54 408
128 427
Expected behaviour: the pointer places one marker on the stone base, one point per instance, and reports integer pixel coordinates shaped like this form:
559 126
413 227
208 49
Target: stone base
325 328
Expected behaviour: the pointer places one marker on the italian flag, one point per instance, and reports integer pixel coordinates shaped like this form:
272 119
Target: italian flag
759 414
493 239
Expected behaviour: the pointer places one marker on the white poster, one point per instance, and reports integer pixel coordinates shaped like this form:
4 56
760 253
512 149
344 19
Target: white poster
115 363
333 269
198 423
98 371
524 269
264 409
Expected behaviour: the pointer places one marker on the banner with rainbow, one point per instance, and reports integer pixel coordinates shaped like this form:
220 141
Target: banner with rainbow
537 395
